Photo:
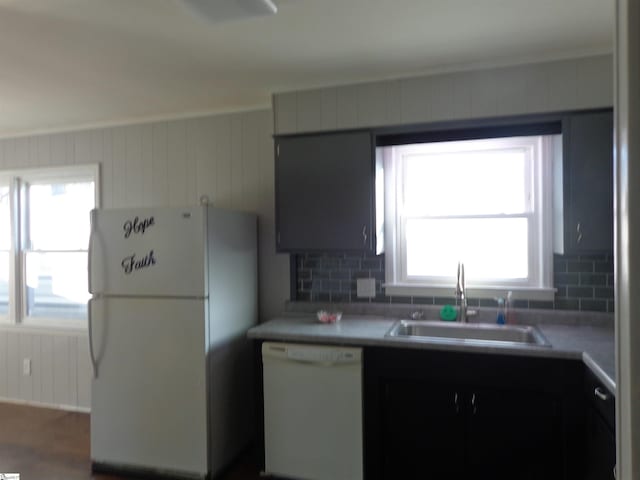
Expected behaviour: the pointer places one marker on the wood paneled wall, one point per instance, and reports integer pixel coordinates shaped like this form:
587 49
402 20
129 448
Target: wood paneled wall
60 368
228 158
531 88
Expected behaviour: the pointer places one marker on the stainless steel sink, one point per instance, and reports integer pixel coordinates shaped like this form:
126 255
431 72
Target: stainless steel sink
473 333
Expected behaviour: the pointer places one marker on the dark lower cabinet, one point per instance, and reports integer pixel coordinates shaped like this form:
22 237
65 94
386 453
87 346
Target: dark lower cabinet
514 434
421 417
601 448
600 420
463 416
440 431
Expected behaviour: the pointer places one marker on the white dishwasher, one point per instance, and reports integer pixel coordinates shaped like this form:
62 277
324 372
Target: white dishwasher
312 411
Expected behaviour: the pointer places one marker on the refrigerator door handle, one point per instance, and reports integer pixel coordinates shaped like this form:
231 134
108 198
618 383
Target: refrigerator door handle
94 366
90 250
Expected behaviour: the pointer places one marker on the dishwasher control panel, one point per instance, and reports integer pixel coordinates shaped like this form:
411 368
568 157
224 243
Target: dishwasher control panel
312 353
315 355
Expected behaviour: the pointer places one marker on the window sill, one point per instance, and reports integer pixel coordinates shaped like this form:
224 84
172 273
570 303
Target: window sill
519 293
41 328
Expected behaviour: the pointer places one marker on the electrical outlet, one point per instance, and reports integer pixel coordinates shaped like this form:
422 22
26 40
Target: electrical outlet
366 287
26 366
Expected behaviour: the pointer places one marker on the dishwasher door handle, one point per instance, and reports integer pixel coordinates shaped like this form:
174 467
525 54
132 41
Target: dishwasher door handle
322 363
320 356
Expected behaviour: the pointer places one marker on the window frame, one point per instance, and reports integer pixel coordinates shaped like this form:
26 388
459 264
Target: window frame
17 180
6 318
539 284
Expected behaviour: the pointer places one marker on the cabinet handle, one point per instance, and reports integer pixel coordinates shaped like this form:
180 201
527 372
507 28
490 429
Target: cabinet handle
364 234
615 472
455 402
579 232
473 404
600 394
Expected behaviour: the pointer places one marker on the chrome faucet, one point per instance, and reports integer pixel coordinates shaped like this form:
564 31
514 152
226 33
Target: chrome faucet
461 295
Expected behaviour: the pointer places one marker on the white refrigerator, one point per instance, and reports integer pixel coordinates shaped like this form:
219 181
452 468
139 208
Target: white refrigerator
174 291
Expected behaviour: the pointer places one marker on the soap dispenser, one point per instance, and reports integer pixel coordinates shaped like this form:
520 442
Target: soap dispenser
500 317
509 309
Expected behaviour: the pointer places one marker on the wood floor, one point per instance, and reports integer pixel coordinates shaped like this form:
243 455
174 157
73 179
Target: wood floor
45 444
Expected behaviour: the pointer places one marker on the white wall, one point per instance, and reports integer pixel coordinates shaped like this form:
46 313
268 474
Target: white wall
227 157
532 88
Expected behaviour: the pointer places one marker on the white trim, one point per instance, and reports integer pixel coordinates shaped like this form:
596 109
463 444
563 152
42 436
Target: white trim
85 171
485 291
141 120
545 203
17 179
49 329
14 261
55 322
56 406
537 211
520 60
6 182
82 172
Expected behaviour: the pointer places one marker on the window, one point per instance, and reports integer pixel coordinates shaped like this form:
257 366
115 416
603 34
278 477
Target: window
45 221
5 250
484 202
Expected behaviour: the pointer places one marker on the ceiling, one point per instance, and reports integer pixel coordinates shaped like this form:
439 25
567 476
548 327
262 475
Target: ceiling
71 63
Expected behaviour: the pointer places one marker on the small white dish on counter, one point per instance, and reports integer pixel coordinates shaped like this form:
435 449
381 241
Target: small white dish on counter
329 317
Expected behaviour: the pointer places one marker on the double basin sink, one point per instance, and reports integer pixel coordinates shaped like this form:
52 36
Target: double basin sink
469 333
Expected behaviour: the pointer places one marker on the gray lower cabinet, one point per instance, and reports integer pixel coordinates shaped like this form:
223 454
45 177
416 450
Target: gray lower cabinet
588 182
325 194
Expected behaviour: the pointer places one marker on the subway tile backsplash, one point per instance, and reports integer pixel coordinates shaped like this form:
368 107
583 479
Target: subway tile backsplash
583 282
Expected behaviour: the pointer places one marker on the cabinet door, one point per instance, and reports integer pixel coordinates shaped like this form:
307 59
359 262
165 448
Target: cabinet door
600 425
588 170
325 192
601 448
514 435
423 432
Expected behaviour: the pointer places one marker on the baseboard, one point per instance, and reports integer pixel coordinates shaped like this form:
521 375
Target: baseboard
55 406
141 473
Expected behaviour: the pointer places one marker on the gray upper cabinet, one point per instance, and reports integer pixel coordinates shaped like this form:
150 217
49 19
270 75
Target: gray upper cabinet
325 192
588 182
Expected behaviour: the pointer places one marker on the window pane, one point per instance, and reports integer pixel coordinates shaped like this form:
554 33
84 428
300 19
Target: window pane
59 215
466 183
489 248
57 285
5 230
4 283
